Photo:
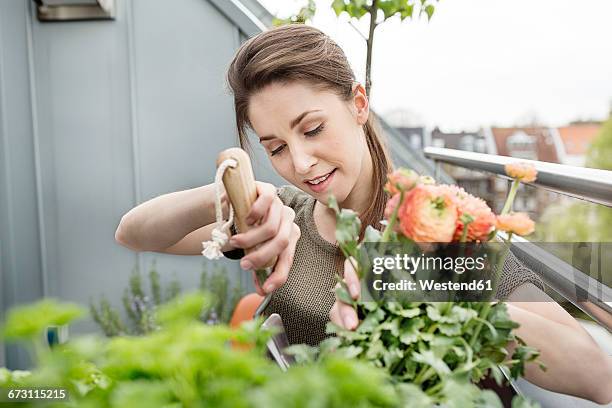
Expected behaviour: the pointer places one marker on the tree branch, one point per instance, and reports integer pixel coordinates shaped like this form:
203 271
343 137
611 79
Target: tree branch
370 43
358 32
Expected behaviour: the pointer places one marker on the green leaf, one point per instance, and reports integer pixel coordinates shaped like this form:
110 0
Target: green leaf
459 392
392 356
375 350
351 351
522 354
398 309
488 399
520 401
415 396
410 330
428 357
343 294
450 329
392 326
142 394
185 308
329 345
497 374
339 6
406 12
333 204
303 353
371 234
30 321
356 10
371 321
429 10
388 7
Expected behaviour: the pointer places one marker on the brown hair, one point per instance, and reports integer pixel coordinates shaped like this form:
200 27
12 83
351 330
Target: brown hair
302 53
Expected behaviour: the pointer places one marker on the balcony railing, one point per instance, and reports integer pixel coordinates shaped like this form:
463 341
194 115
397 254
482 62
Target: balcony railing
580 182
588 184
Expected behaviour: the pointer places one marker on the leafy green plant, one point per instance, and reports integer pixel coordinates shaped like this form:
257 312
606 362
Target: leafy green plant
377 11
225 297
438 351
139 304
305 13
184 364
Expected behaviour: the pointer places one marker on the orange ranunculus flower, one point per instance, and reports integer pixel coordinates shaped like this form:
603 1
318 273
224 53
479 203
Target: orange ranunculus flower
401 180
391 204
428 215
524 172
483 218
517 223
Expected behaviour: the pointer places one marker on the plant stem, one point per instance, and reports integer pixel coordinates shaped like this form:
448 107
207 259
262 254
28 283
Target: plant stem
392 220
425 373
483 315
510 198
465 231
435 389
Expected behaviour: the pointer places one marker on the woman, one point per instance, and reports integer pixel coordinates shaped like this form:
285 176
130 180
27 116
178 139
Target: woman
294 88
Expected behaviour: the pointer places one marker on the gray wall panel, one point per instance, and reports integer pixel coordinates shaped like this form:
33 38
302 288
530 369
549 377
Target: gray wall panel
96 117
85 152
19 236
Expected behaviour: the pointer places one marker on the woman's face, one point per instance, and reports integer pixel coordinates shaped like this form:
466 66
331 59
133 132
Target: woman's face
314 139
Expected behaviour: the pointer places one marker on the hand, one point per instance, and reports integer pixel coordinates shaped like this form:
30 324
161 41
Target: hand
275 233
342 314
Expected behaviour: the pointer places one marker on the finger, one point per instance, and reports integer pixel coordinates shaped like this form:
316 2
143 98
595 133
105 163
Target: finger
351 278
283 265
258 288
275 246
334 315
260 233
348 316
266 193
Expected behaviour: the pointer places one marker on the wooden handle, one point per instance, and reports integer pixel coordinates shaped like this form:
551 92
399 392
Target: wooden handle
241 191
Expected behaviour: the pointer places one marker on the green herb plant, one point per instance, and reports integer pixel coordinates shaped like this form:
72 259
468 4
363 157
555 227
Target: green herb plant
185 363
139 304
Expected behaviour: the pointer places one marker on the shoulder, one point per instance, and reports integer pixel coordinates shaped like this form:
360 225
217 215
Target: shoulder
292 196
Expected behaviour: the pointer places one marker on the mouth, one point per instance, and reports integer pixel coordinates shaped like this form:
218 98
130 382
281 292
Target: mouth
321 183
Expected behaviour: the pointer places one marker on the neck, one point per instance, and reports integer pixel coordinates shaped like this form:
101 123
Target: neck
361 195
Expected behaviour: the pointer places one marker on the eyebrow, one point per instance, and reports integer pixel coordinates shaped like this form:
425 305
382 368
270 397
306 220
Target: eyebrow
293 123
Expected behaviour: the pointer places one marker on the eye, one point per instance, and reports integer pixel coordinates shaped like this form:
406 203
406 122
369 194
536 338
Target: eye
277 150
315 131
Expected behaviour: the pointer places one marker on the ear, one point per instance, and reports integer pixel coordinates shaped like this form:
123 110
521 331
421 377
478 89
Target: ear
361 103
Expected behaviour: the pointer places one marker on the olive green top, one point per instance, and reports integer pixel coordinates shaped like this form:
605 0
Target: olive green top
304 301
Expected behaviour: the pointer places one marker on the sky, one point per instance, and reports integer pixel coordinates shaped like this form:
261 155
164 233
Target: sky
482 62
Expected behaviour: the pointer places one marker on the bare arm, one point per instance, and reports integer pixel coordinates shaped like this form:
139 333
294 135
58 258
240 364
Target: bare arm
576 365
173 223
177 223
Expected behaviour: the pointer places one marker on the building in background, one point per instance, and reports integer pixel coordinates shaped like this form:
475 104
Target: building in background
566 145
413 137
573 141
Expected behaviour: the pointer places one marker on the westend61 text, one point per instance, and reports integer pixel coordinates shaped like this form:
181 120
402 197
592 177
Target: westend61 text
430 284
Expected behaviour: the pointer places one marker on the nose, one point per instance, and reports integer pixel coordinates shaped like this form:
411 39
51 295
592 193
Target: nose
302 159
